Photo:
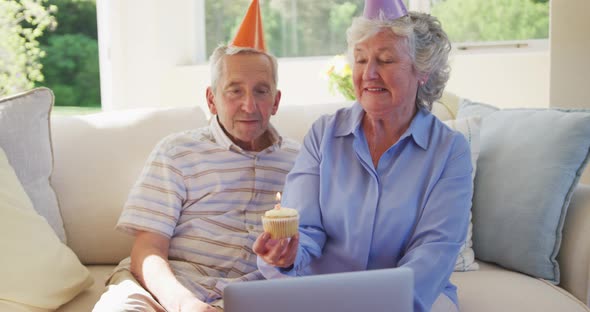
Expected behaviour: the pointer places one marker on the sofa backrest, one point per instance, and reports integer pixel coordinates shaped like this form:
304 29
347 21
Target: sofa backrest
98 157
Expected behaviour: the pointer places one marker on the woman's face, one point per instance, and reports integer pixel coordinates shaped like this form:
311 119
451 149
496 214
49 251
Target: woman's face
383 74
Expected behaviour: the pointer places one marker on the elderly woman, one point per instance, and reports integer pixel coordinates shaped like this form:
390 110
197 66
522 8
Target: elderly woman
383 183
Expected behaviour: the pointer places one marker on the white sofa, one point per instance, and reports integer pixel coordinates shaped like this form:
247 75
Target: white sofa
99 156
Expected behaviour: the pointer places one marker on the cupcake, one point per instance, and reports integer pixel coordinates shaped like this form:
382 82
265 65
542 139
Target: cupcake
281 222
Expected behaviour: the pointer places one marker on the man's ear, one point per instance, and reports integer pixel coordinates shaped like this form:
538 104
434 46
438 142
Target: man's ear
275 106
211 101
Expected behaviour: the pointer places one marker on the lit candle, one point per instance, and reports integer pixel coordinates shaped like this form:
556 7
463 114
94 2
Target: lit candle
278 198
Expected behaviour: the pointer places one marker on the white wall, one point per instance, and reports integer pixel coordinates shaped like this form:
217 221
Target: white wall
139 42
517 77
570 52
570 62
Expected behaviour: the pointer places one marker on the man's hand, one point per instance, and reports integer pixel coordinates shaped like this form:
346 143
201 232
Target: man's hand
277 252
193 304
150 266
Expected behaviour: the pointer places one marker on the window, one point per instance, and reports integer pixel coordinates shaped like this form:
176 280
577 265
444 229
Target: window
498 20
70 66
296 28
50 43
292 27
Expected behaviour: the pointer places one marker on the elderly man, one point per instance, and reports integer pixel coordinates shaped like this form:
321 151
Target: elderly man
196 208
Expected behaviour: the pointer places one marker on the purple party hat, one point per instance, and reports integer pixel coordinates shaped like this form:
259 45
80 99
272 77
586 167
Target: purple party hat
392 9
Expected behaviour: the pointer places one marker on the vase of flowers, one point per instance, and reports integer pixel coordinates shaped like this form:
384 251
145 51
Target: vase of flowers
340 77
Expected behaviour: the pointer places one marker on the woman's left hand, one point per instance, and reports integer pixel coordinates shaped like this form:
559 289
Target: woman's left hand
277 252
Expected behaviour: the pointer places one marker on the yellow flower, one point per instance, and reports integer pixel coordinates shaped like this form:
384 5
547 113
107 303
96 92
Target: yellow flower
340 64
340 77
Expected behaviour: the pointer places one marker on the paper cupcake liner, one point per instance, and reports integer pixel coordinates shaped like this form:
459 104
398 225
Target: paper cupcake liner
281 227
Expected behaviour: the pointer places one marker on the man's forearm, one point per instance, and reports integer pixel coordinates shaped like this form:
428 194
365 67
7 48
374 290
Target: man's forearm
155 275
150 266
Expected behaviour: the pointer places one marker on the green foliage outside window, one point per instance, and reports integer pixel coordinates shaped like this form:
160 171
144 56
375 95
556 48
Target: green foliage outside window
71 70
50 43
292 27
70 66
477 20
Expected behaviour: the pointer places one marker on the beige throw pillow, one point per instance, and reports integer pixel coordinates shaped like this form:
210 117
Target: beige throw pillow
37 269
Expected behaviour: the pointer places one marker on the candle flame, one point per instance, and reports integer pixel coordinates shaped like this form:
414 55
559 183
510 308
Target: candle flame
278 197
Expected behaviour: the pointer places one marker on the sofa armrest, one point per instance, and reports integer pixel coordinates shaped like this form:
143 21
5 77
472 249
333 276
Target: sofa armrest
574 255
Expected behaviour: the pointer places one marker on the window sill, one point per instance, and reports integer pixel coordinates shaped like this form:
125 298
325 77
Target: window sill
513 46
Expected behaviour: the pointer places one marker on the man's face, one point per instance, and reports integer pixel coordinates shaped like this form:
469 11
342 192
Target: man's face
245 98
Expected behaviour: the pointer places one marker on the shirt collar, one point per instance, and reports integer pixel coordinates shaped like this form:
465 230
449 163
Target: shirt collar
418 129
224 141
351 121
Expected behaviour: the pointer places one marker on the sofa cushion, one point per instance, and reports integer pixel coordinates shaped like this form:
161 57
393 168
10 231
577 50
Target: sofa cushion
470 128
19 307
492 289
529 165
98 157
87 299
468 108
25 137
293 121
446 107
37 269
574 254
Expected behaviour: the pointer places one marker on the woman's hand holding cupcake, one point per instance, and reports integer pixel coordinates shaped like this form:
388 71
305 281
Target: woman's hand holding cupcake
274 246
277 252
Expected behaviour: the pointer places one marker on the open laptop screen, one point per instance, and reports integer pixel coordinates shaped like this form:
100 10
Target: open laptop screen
375 290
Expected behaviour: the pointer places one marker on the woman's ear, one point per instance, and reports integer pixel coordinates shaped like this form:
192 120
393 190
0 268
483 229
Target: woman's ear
423 78
211 101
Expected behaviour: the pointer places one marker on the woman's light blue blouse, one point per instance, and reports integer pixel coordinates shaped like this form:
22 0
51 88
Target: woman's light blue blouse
412 210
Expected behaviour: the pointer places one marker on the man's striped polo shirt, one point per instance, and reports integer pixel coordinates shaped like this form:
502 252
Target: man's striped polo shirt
208 195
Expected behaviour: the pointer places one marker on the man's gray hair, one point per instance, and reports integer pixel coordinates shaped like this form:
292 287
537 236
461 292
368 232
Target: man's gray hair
428 44
222 50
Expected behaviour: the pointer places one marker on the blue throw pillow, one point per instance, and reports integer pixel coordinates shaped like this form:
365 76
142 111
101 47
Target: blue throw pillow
469 109
529 164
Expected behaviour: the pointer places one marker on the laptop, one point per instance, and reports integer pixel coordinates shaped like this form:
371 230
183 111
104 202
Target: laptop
374 290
